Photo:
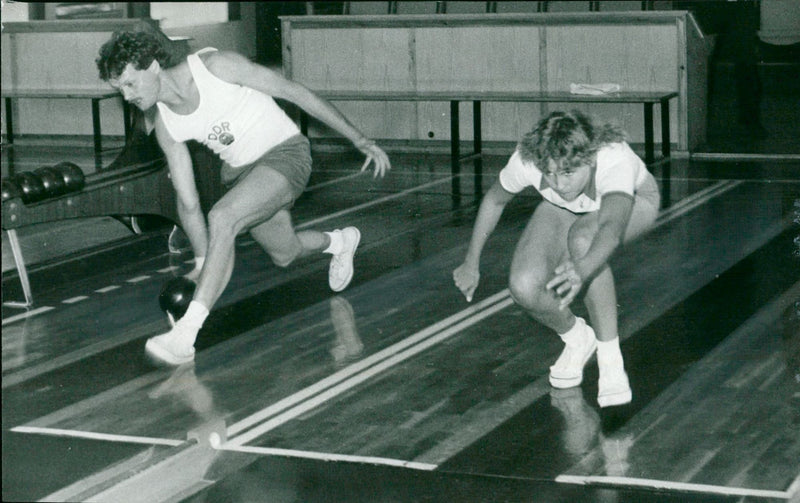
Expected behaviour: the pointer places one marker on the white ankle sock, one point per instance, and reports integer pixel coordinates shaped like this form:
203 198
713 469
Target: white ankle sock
195 316
609 353
337 243
575 334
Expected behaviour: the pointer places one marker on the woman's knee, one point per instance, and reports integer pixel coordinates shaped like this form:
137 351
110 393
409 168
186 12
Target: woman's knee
528 291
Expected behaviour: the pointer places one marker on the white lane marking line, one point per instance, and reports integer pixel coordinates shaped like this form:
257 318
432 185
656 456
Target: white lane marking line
325 456
58 432
363 376
107 289
374 202
166 269
794 488
696 199
334 181
359 366
73 300
138 279
27 314
670 485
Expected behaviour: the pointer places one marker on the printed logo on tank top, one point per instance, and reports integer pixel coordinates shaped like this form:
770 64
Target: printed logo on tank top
221 132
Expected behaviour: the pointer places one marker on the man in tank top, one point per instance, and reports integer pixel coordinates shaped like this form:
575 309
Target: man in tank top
225 101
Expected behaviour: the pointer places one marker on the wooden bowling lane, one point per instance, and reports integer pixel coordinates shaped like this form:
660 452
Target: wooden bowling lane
444 377
566 427
49 336
281 357
289 386
728 425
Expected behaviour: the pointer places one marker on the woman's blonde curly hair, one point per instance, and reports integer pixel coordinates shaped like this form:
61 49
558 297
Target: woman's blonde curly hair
569 139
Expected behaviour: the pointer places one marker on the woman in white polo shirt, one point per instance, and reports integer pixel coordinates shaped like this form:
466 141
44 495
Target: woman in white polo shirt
597 195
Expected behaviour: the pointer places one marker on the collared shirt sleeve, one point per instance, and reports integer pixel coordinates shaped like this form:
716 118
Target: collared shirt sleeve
516 176
617 170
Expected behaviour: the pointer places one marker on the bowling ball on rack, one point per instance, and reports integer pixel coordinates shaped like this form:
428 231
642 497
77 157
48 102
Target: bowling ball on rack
31 186
53 181
11 189
175 296
74 179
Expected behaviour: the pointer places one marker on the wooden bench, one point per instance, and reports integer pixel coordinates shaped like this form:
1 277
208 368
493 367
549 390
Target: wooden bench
95 95
648 99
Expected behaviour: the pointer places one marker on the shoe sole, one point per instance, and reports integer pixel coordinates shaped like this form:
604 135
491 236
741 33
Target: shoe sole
352 266
615 399
564 383
161 356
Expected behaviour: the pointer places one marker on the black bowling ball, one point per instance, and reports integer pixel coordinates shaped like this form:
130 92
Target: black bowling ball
175 296
11 189
54 183
74 178
32 187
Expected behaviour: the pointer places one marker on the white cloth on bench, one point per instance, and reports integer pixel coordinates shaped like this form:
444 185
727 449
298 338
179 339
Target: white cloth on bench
594 89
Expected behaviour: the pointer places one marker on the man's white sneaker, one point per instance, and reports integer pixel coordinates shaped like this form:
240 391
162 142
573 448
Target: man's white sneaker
175 347
613 387
341 269
567 371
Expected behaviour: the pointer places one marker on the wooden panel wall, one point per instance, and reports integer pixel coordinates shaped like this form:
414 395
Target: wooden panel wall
645 51
373 58
465 58
75 69
640 57
59 55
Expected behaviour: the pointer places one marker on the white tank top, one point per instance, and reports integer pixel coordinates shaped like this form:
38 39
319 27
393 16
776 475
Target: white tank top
238 123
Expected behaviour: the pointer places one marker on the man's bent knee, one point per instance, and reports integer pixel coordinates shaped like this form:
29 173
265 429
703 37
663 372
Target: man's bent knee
222 221
283 259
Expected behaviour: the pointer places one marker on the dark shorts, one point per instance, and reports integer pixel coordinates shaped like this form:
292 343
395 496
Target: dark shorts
292 159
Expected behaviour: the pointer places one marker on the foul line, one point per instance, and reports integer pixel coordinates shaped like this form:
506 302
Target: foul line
669 485
272 451
58 432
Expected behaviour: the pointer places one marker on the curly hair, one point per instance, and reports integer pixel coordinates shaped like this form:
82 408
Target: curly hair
138 48
569 139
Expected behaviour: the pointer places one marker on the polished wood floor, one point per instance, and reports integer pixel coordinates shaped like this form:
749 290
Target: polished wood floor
398 390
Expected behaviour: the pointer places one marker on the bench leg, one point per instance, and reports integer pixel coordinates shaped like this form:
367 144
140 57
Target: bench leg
478 148
9 122
455 157
98 147
665 132
19 261
649 155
